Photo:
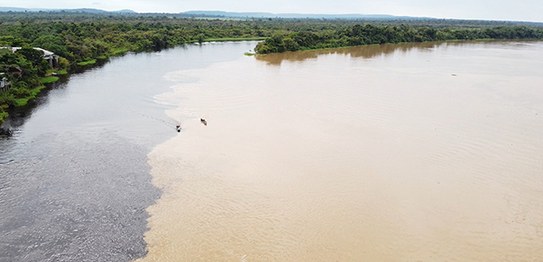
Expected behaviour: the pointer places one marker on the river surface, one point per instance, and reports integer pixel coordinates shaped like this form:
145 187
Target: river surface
424 152
412 152
74 178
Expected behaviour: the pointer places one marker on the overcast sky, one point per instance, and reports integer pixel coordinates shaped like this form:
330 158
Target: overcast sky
525 10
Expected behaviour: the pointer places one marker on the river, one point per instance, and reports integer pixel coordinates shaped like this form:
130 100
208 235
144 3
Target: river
411 152
74 178
416 152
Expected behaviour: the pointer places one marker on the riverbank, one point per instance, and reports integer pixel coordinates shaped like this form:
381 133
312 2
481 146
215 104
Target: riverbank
93 39
368 34
54 76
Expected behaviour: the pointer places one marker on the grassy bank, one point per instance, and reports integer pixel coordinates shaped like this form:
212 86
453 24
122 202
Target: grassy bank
3 116
119 51
234 39
49 79
88 62
19 102
62 72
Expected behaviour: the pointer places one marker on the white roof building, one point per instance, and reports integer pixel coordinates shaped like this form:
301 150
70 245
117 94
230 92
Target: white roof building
46 53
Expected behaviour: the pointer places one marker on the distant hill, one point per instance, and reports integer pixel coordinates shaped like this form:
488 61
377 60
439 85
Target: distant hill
15 9
365 17
227 14
264 15
292 15
78 10
96 11
216 14
126 11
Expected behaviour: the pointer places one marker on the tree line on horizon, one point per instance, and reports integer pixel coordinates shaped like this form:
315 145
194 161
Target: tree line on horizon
380 34
82 40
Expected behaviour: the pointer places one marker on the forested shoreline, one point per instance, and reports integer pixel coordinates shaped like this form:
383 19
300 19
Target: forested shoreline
382 34
84 40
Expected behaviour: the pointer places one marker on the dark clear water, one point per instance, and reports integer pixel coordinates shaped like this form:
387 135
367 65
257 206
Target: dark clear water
74 178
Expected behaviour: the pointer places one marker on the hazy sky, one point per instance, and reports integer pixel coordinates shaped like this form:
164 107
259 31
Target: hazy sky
525 10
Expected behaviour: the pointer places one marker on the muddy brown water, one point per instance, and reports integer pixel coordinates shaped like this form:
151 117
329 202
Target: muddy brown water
415 152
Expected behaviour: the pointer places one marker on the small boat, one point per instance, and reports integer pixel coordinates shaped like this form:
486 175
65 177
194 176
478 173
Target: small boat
203 121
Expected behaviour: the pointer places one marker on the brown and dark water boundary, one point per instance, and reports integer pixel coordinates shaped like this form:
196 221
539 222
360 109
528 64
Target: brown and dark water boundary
74 178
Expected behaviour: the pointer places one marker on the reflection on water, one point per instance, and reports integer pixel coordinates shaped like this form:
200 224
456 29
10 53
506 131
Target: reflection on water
369 51
421 153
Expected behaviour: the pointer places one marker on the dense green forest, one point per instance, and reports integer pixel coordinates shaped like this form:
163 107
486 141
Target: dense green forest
83 40
381 34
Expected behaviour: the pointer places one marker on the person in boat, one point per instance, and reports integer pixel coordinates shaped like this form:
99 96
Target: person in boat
178 128
203 121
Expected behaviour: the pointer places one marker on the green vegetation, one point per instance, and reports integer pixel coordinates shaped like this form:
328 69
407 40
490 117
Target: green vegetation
118 51
49 80
34 92
25 71
89 62
85 40
232 39
380 34
3 116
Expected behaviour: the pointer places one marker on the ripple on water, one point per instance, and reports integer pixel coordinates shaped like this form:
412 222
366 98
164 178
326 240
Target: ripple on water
352 159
